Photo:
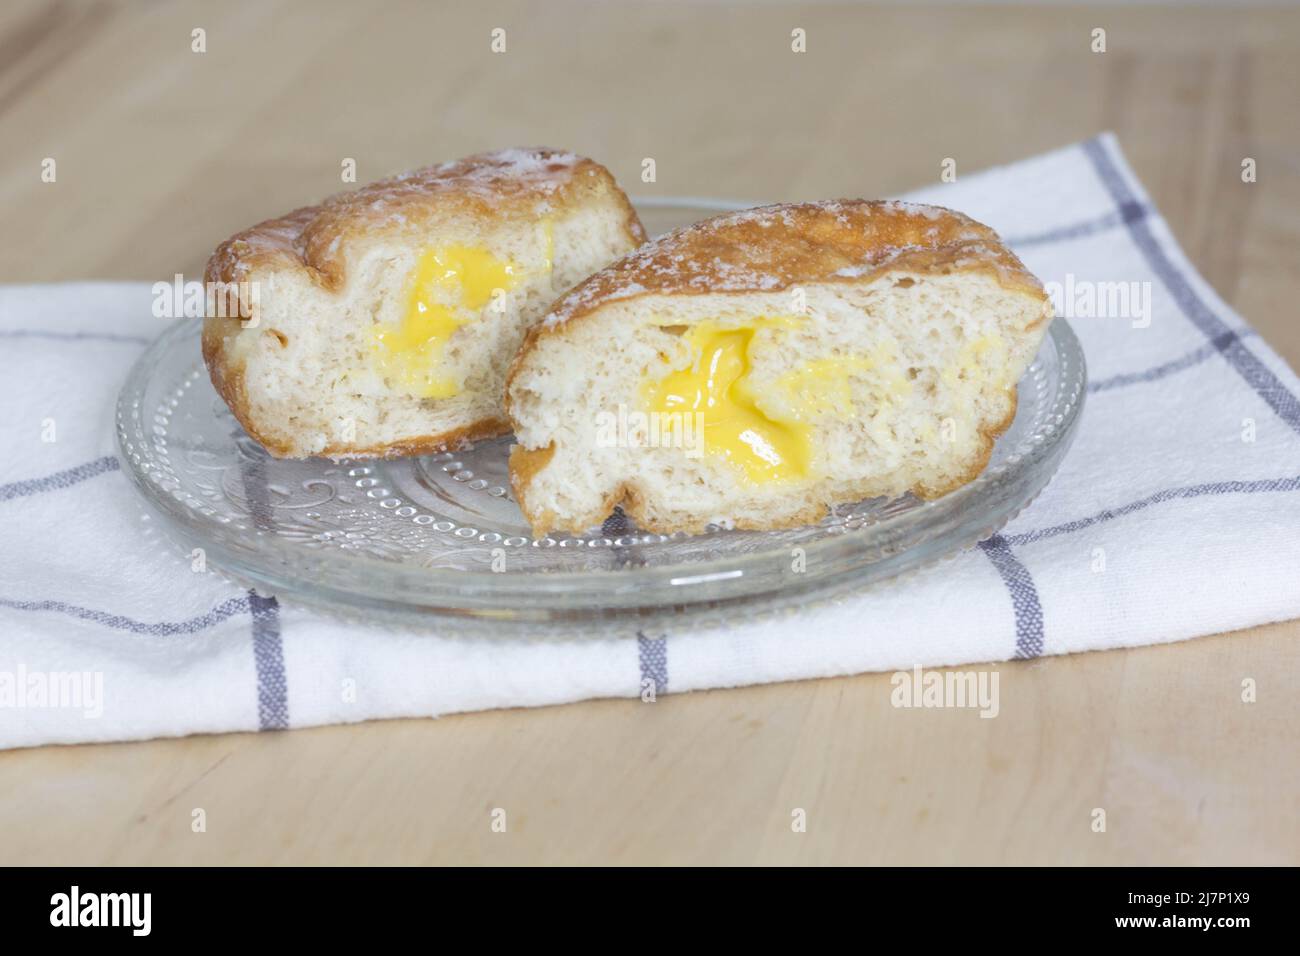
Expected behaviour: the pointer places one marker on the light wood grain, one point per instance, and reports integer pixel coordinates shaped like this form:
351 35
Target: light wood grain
162 152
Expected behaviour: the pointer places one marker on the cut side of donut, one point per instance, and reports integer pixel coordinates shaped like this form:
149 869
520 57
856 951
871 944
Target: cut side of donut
756 369
381 322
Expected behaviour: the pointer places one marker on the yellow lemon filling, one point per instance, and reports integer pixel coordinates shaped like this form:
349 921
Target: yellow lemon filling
449 286
716 387
765 430
766 441
825 387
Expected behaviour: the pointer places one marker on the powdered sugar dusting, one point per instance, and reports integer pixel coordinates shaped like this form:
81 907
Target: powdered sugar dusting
317 235
770 248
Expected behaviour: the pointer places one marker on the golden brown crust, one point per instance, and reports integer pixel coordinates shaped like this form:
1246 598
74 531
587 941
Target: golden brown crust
525 184
524 464
771 249
228 380
507 184
775 248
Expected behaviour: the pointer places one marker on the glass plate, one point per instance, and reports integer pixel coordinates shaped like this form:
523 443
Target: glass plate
442 533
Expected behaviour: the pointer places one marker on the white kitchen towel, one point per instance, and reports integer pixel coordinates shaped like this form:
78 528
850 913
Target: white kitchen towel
1176 514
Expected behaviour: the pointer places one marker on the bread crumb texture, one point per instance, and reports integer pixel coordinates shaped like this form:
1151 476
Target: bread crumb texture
383 320
758 368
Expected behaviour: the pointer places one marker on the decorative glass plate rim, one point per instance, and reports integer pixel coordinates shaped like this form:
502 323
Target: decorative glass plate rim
356 579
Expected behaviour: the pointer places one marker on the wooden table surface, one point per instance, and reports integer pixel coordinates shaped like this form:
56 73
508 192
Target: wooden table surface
162 152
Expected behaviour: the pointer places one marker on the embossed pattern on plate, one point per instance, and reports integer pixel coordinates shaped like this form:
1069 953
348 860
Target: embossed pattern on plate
443 533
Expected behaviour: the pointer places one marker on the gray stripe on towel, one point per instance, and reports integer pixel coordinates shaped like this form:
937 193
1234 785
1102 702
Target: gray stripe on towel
1157 372
1078 230
1168 494
74 336
653 654
223 611
268 646
1024 596
1257 375
268 654
60 479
